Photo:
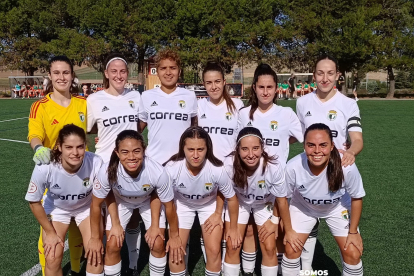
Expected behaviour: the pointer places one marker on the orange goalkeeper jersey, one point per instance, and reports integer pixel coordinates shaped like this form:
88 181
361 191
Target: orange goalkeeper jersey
47 118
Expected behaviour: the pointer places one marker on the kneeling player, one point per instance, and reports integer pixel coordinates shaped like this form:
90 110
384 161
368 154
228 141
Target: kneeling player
133 178
259 183
196 175
319 185
68 179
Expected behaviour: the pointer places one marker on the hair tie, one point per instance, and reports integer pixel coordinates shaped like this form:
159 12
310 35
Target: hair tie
249 135
115 58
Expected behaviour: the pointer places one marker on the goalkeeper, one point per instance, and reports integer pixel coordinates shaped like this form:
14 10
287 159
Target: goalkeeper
47 117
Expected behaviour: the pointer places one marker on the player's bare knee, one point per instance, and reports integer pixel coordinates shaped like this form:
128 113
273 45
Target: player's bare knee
249 231
269 248
112 247
159 248
351 255
213 250
54 264
290 253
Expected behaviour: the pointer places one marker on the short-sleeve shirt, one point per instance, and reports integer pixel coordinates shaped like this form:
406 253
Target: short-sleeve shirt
276 125
312 191
167 117
112 114
66 191
340 114
132 192
220 123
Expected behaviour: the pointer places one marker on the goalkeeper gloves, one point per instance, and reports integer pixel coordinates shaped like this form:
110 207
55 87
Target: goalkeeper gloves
42 155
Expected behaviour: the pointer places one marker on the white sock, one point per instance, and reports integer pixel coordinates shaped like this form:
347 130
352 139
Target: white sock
352 270
181 273
187 252
269 270
309 249
231 269
290 267
209 273
203 248
133 241
248 261
157 265
223 252
93 274
113 270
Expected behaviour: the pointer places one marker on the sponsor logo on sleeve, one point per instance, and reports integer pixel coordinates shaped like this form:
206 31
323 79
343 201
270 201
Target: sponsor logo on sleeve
96 184
32 188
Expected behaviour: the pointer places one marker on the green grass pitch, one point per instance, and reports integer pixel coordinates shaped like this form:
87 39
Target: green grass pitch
385 164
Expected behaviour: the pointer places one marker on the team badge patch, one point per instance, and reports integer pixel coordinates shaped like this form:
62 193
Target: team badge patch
96 184
81 116
273 125
32 188
261 184
131 104
86 182
344 214
228 116
146 187
181 103
208 186
269 207
332 115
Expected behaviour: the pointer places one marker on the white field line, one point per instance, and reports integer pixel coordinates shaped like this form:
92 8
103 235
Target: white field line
13 119
38 268
17 141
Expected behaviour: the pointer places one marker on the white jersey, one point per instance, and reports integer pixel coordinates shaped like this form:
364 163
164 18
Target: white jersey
167 116
276 125
66 191
112 114
312 192
220 124
132 192
262 188
340 113
199 190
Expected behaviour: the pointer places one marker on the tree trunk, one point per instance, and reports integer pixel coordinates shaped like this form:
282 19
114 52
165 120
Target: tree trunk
391 78
141 56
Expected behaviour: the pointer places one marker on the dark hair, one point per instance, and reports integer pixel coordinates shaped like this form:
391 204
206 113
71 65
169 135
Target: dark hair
199 133
239 168
107 59
334 171
114 161
74 86
261 70
329 57
214 66
67 130
167 54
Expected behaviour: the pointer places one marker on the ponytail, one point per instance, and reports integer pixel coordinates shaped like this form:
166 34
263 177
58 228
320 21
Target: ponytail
113 168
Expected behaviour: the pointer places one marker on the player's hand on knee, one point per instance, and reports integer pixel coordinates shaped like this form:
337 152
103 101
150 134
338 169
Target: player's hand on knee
234 238
50 242
267 229
213 221
292 238
175 248
42 155
152 234
118 233
356 240
94 251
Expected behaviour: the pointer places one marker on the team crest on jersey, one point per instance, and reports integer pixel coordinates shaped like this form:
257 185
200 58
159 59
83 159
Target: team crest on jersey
32 188
81 116
208 186
261 184
86 182
269 207
146 187
273 125
332 115
131 104
181 103
345 215
228 116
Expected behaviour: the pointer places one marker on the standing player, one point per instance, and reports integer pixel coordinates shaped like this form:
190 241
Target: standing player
340 113
68 181
167 110
279 126
259 182
113 110
321 187
133 178
196 176
47 117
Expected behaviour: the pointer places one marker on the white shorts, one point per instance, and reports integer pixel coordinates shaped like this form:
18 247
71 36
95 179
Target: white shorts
338 220
186 214
125 214
63 216
261 213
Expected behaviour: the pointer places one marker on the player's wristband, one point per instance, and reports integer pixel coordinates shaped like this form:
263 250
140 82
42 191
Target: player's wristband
275 220
353 233
37 147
